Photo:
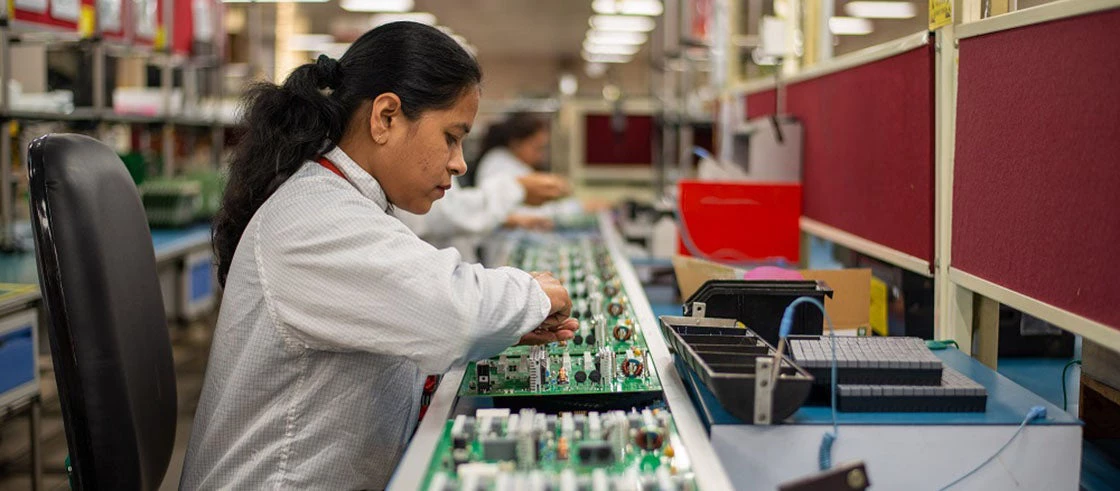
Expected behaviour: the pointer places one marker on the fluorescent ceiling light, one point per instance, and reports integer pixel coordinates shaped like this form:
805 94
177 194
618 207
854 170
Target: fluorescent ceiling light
628 7
629 23
376 5
781 9
881 10
615 37
849 26
569 84
421 17
610 49
603 58
276 1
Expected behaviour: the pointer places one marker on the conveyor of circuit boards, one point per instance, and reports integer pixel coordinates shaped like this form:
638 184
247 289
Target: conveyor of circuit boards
588 414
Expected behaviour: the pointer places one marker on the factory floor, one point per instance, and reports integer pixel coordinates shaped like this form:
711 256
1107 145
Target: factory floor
191 345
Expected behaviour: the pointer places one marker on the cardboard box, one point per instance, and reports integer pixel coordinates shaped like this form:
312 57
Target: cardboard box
849 308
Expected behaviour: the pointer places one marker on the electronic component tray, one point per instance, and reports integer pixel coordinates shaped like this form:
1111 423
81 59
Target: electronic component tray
723 356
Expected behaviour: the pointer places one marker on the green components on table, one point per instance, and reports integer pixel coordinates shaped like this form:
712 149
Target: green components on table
497 449
180 201
608 354
171 202
544 374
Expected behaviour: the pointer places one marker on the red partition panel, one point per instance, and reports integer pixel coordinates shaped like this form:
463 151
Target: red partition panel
1036 187
182 27
606 147
59 15
761 103
868 166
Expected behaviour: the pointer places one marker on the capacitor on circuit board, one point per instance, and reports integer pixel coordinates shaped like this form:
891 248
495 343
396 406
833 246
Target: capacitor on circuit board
633 366
650 435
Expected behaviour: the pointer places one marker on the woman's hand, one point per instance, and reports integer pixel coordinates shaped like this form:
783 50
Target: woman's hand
542 336
541 187
558 326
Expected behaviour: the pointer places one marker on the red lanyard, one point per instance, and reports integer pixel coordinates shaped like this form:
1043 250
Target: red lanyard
327 164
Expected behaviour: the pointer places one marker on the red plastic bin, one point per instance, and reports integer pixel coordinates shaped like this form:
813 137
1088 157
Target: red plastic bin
740 222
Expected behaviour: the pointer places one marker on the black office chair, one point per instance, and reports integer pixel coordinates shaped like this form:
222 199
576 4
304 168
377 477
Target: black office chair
108 333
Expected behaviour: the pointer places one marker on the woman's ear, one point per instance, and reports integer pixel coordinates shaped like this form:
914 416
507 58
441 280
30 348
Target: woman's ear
384 116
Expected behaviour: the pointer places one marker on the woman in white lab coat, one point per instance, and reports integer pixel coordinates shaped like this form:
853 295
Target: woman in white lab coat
333 311
467 215
517 147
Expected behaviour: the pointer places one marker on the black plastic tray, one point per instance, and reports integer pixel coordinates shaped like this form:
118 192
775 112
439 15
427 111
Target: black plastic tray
723 356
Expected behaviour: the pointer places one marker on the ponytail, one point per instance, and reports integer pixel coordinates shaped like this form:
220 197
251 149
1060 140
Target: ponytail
287 125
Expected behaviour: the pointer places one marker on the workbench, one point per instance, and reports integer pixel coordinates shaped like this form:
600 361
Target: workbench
909 450
19 367
905 450
183 260
710 475
901 450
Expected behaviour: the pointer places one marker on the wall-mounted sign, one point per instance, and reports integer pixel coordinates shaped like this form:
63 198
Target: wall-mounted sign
109 16
65 10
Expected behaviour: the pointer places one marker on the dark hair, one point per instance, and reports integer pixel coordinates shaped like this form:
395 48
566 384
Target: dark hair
517 126
286 125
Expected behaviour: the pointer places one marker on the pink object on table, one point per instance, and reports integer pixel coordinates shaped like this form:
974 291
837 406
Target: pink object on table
772 273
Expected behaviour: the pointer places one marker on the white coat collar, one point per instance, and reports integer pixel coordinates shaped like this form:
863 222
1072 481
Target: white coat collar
366 184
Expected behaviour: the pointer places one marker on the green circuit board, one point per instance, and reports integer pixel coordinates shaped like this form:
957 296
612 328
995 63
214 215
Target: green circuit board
512 377
607 324
496 450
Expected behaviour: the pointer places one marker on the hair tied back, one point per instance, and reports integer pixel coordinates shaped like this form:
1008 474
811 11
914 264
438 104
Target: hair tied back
328 71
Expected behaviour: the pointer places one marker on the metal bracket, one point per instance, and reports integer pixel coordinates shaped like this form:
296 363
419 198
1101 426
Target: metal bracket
763 390
699 309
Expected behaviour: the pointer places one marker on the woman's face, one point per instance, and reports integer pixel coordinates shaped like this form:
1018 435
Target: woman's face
421 156
531 149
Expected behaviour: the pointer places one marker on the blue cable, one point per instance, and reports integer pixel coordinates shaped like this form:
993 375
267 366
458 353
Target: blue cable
1037 412
702 153
825 455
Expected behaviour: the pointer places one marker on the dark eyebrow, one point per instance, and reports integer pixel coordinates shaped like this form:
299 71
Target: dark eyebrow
464 127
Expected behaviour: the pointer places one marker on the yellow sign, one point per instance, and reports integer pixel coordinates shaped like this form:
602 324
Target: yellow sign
879 307
87 20
161 38
940 13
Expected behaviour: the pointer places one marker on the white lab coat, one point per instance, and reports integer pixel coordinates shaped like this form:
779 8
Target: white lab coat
333 314
466 216
499 162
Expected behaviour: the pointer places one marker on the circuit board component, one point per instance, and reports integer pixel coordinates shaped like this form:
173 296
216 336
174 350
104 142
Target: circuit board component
608 352
535 451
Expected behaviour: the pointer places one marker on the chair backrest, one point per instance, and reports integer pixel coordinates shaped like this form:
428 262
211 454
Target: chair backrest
107 329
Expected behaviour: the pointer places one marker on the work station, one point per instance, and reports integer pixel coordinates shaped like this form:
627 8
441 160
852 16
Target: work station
559 245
